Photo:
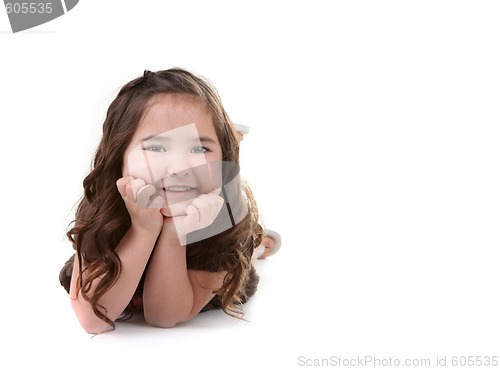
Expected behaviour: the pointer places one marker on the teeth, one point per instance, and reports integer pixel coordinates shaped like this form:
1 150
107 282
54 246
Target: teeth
178 188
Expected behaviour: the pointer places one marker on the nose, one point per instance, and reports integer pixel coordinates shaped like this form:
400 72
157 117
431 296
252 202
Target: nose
178 166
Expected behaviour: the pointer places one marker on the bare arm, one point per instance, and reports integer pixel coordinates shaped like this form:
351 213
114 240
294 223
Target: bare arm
134 251
172 293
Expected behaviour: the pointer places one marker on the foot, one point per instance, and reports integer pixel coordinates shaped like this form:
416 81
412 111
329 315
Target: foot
271 243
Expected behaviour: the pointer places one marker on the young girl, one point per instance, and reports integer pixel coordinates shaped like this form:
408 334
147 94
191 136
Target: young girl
165 226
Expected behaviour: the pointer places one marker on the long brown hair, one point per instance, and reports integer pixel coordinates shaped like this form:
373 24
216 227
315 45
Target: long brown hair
101 219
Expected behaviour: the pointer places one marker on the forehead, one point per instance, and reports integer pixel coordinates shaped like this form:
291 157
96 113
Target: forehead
182 134
171 111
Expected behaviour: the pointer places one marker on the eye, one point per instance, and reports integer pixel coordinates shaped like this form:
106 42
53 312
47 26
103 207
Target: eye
199 149
155 148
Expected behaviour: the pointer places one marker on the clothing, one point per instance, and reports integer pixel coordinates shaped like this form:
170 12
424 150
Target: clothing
136 302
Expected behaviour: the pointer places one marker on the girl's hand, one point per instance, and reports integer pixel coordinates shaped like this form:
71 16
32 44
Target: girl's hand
200 213
142 206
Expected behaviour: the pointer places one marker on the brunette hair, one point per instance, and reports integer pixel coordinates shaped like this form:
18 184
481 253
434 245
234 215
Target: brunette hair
101 219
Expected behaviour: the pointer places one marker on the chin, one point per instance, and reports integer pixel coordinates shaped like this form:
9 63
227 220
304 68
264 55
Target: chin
166 212
175 210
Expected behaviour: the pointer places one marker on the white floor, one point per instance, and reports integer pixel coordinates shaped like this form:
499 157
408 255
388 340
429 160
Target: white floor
42 329
310 306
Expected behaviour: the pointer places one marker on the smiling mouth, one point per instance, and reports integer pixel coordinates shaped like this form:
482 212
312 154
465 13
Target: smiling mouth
178 188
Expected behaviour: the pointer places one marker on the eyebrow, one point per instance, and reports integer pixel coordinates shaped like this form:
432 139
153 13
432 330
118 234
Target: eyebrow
203 139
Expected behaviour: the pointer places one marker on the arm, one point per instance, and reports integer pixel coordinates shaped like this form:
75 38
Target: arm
134 251
172 293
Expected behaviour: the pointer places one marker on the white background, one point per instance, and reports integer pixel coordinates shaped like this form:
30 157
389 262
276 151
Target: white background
373 150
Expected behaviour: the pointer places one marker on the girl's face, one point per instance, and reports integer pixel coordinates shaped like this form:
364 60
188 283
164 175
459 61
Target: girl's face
176 149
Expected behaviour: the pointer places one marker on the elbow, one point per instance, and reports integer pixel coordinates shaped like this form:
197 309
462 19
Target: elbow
161 322
165 321
89 321
94 325
167 315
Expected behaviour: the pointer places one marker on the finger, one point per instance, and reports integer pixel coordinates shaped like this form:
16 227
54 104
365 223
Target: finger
190 209
157 203
133 187
121 183
217 204
192 215
144 195
208 206
219 201
199 203
213 200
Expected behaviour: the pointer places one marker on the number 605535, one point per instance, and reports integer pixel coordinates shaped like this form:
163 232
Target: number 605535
28 8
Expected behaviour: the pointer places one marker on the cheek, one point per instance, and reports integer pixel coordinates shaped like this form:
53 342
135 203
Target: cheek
208 176
137 165
215 175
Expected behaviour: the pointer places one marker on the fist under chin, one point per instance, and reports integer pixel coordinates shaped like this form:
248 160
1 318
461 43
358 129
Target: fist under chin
175 210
